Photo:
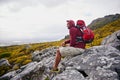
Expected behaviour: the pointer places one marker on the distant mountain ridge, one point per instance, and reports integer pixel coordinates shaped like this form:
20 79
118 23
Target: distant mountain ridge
100 22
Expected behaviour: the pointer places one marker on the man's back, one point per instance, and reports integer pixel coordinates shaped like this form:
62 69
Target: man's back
74 33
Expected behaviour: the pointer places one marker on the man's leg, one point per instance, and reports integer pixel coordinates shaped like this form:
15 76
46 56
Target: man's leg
57 60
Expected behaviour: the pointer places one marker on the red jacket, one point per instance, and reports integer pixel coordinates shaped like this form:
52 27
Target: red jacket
74 32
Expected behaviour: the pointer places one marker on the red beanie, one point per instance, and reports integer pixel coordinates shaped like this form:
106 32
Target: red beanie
71 23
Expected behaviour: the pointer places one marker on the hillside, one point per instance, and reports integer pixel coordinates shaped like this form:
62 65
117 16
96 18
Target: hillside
102 32
21 55
100 22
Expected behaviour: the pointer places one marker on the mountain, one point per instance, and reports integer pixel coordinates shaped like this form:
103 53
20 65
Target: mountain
100 22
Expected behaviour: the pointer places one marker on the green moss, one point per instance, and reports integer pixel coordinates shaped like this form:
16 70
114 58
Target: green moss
5 54
47 78
26 61
4 69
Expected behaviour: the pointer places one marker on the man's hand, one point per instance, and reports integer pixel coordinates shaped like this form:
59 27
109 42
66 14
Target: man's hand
63 44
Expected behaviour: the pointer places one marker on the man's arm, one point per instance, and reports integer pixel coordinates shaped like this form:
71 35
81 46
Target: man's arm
67 41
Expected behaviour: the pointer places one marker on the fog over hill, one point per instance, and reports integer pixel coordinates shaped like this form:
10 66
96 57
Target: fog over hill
27 41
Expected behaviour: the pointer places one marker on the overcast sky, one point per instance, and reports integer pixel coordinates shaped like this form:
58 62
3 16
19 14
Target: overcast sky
45 20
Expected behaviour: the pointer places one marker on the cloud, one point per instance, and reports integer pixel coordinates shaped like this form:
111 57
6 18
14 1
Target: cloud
48 3
46 20
4 1
7 6
33 23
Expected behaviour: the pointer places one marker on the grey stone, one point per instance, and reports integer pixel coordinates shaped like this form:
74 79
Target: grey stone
39 55
113 40
69 74
4 62
8 76
102 74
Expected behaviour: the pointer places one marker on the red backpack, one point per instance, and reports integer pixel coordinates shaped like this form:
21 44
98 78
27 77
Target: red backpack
88 35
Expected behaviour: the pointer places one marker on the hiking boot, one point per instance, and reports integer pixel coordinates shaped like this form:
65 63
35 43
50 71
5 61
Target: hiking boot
55 71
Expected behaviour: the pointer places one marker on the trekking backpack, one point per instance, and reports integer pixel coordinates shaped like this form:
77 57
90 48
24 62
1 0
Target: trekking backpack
88 35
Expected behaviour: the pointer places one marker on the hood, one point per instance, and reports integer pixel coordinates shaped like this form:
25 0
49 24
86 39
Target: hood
81 23
71 23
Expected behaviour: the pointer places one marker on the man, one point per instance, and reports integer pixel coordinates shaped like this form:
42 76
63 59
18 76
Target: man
75 47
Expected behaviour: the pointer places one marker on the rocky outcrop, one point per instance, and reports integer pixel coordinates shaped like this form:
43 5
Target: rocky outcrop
113 40
4 66
96 63
39 69
4 62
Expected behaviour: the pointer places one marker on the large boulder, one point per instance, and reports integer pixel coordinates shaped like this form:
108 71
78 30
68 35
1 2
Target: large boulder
113 40
97 63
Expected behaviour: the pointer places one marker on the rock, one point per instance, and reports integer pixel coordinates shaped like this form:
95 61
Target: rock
8 76
113 40
39 55
4 62
4 66
32 71
69 74
102 74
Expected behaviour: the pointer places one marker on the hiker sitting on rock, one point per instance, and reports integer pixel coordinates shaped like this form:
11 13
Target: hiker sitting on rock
75 46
